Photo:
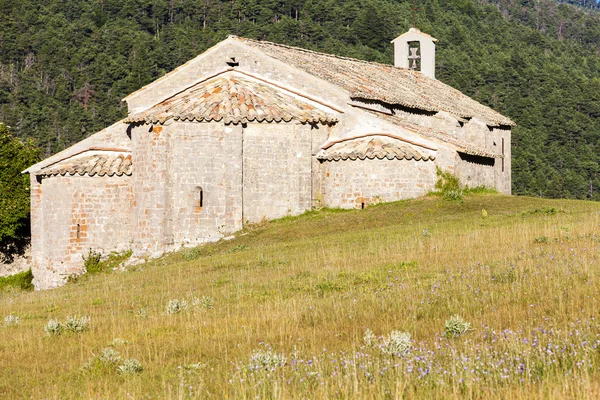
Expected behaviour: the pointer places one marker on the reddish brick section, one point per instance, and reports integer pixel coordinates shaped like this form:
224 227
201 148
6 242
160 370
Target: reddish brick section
70 216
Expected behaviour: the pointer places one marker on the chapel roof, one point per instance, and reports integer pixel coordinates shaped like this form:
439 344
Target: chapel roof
233 98
382 82
460 145
371 147
103 163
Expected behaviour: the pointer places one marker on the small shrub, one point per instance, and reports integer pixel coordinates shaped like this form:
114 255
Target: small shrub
130 366
109 356
92 263
484 213
141 312
266 359
176 306
541 239
204 302
369 338
396 344
425 232
77 324
53 328
12 320
456 326
453 195
192 254
448 185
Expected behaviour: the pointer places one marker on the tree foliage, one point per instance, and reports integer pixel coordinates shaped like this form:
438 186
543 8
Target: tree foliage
15 156
65 65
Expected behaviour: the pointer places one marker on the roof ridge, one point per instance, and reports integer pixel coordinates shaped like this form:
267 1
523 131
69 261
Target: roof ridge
285 46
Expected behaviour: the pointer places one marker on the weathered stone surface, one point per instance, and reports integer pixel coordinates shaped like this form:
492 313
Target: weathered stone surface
359 183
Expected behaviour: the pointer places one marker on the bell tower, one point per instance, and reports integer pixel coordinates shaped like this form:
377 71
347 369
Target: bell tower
415 50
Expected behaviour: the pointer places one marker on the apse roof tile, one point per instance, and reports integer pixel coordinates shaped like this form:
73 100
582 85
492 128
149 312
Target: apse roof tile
372 147
233 99
98 164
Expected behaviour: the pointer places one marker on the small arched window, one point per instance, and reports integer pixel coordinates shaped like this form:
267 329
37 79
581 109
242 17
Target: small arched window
199 197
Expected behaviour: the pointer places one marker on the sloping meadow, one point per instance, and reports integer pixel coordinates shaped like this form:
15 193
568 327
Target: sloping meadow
491 296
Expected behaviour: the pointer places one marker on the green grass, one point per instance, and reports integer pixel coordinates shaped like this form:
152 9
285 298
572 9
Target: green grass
21 281
306 289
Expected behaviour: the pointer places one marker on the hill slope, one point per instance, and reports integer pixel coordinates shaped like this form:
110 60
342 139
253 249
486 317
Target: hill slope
525 277
65 65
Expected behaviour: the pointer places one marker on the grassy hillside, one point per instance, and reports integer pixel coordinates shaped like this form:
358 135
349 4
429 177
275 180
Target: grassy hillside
524 276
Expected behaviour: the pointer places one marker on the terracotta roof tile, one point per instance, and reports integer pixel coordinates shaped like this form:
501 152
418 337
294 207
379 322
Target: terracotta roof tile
381 82
110 164
232 99
372 147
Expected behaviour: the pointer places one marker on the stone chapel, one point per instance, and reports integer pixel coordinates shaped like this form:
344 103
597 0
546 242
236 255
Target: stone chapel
252 130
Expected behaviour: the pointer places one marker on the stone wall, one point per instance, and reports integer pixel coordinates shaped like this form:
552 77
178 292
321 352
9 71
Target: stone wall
205 157
70 215
356 184
277 171
151 220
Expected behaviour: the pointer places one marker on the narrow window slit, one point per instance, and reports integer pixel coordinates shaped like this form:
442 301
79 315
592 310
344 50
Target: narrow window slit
78 231
199 202
502 154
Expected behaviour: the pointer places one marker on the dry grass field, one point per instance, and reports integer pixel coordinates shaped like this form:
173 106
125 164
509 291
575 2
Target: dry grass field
283 311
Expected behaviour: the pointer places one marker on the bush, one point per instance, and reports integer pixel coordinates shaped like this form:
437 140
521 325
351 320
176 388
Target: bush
448 185
92 263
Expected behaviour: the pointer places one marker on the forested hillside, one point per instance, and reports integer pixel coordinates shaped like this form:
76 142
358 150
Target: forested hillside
66 64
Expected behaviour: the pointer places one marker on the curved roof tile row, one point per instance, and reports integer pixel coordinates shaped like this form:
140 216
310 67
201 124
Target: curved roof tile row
92 165
232 99
372 147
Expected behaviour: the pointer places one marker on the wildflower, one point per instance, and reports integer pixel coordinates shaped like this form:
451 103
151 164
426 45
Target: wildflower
12 320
